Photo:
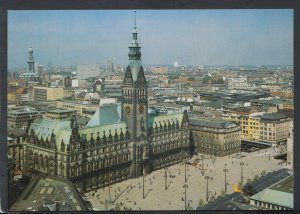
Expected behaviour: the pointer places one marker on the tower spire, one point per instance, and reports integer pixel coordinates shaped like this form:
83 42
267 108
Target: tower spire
134 19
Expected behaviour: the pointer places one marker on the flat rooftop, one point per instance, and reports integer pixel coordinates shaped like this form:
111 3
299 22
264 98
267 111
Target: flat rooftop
212 123
60 111
46 190
286 185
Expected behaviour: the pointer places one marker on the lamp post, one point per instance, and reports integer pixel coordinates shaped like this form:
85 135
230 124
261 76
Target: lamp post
143 183
242 164
166 178
202 156
185 186
185 170
225 171
207 178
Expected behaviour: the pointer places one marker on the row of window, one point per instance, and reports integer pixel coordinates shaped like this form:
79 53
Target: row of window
96 165
165 147
218 147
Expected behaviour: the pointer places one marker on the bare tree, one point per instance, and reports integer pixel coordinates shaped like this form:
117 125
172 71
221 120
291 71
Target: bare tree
201 203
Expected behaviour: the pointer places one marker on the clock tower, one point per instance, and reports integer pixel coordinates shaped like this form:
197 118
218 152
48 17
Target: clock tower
135 107
134 93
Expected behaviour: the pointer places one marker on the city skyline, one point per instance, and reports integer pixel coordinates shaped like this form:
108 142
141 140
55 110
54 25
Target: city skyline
100 139
190 37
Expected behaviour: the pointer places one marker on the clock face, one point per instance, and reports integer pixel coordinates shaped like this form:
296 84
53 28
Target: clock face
141 109
127 109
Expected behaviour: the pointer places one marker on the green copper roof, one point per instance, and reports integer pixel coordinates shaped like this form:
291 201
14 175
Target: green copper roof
104 128
135 68
62 130
45 127
105 115
162 119
277 195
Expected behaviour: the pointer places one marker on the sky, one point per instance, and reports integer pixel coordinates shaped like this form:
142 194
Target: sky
189 37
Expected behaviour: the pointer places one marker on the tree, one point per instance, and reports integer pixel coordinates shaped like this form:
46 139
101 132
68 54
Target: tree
189 208
201 203
240 185
263 173
248 190
191 79
117 207
222 193
248 181
212 198
106 204
256 177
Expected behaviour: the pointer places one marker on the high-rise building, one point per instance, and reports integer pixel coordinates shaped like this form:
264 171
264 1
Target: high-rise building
40 69
110 67
67 83
85 71
113 88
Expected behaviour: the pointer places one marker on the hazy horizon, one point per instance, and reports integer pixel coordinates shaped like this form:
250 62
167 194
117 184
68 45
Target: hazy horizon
190 37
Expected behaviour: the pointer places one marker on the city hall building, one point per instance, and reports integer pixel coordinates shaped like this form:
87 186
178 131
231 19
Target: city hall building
120 141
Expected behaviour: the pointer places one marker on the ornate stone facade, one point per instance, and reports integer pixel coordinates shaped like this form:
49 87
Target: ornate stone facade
116 144
215 137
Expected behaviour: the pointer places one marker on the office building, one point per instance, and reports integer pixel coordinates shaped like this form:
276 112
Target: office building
79 107
47 93
85 71
110 67
271 128
19 117
237 82
215 136
113 88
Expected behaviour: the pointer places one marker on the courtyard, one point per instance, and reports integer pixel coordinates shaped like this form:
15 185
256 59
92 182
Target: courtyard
129 194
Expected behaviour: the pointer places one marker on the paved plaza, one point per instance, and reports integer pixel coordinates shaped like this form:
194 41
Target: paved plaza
129 193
